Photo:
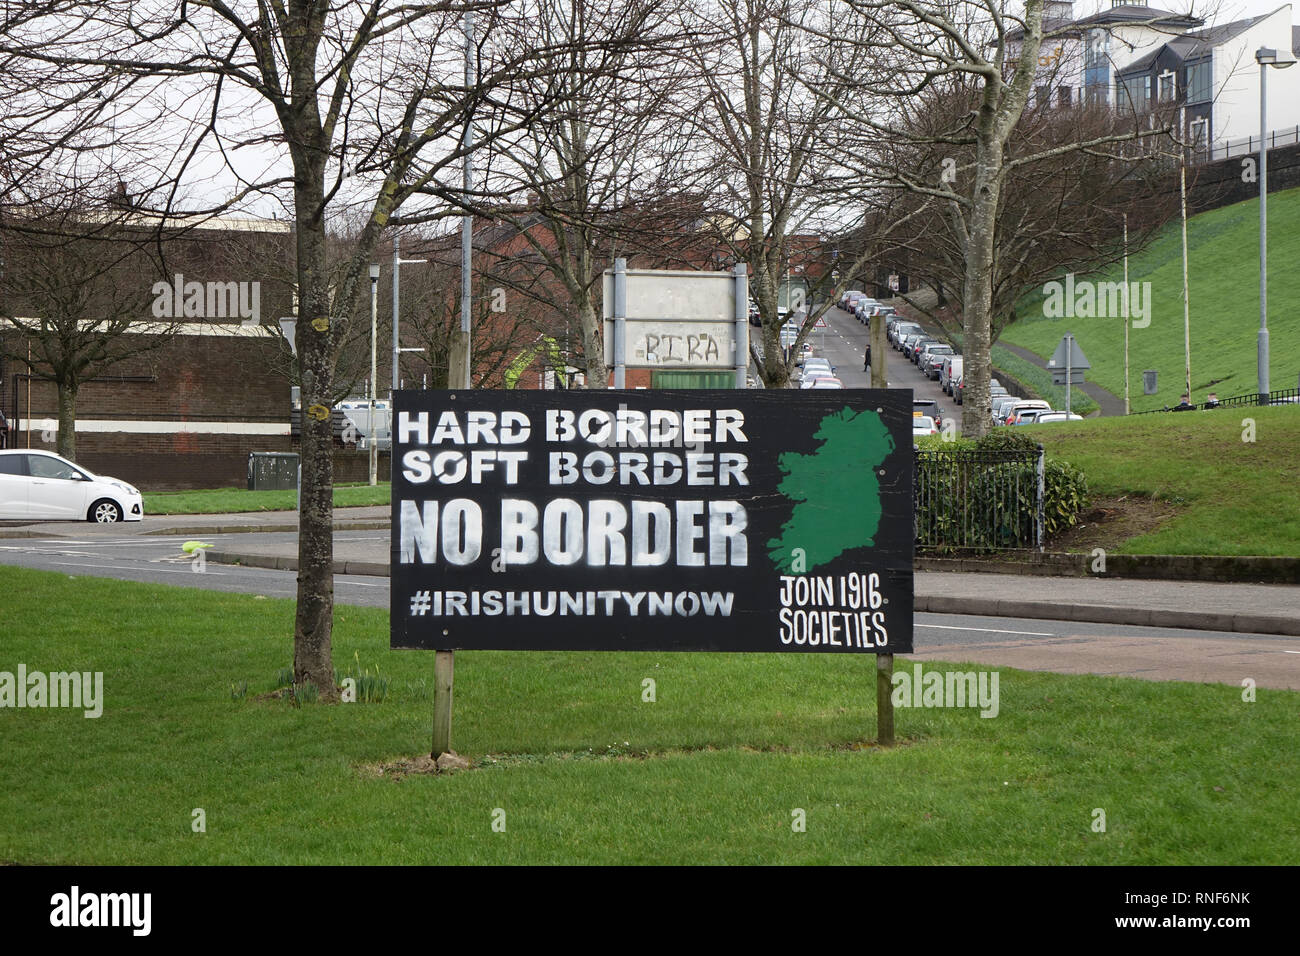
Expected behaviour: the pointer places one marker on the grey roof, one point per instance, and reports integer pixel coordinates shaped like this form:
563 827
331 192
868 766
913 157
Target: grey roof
1058 25
1134 13
1189 46
1128 13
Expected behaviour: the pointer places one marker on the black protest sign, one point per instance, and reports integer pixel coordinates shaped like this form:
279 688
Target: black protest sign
653 520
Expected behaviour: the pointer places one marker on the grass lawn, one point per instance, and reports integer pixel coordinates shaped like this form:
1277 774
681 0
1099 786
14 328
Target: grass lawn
585 771
1238 497
1223 269
1040 380
232 500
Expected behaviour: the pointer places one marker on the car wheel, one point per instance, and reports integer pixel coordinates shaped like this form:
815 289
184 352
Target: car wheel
104 512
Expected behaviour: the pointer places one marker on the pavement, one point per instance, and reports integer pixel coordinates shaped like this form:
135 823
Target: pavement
269 540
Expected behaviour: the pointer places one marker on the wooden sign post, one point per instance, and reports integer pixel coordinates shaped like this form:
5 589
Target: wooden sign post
885 700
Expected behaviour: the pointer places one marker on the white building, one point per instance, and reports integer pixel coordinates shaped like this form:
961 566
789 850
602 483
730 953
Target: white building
1212 78
1079 58
1136 58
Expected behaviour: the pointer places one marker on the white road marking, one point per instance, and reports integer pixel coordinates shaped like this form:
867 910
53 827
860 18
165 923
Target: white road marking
127 567
992 630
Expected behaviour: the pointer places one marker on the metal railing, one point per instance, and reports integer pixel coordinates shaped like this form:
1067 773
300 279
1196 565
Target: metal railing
1245 147
979 500
1283 396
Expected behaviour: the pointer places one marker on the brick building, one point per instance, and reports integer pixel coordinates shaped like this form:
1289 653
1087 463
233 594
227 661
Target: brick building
186 408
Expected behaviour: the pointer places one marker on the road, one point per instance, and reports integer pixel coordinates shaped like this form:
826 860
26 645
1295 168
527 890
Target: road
1042 645
844 342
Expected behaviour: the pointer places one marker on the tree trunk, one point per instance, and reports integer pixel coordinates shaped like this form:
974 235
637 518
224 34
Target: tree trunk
593 343
314 622
67 438
977 292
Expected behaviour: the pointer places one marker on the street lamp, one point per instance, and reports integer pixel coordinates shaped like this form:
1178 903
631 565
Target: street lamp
1265 57
398 262
374 372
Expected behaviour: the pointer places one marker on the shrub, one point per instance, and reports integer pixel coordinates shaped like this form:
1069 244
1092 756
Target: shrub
1065 493
968 507
1006 439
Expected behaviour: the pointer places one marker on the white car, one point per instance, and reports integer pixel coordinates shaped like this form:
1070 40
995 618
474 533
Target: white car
39 485
923 425
816 368
822 381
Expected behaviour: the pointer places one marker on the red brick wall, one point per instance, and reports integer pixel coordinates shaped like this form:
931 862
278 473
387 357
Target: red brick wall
191 378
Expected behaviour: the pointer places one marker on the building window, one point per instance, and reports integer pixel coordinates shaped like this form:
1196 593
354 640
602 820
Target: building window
1199 137
1096 66
1199 83
1043 95
1166 87
1063 94
1132 93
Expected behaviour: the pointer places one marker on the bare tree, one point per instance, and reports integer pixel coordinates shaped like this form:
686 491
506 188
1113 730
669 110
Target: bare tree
339 106
770 120
974 51
76 287
1061 213
600 141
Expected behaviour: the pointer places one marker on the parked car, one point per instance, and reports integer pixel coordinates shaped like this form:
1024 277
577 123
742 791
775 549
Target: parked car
843 300
1001 406
922 426
919 354
950 370
1027 416
851 303
928 408
932 359
824 382
1057 417
902 330
913 342
41 485
863 309
1024 405
816 368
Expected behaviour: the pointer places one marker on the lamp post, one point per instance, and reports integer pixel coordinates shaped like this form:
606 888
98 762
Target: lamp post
398 262
467 221
374 372
1126 314
1281 59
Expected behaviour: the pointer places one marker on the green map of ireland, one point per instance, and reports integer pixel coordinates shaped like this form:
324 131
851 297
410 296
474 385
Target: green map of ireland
835 490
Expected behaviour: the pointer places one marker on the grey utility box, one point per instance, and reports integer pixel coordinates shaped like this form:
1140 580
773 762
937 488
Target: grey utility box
272 470
1149 382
